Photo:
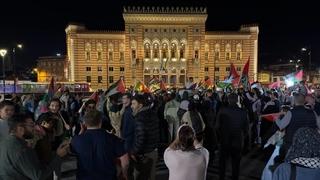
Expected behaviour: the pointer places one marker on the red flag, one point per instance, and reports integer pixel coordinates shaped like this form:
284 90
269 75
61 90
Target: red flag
271 117
244 80
162 86
234 74
274 85
121 87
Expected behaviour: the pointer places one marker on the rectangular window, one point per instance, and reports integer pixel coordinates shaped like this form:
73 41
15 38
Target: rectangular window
206 56
133 54
99 79
121 56
88 68
110 68
227 68
238 55
206 69
121 69
228 56
99 68
87 56
99 55
216 69
217 55
238 68
110 79
196 54
110 56
216 78
88 78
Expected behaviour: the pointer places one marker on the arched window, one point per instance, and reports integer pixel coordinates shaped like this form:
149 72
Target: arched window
239 51
147 51
110 52
173 52
182 52
99 51
228 52
87 51
217 52
156 52
164 51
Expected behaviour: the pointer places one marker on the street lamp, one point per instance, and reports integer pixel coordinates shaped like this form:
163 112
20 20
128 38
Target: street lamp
3 52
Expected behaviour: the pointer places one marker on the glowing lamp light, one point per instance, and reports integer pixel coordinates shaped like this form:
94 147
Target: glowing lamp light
3 52
174 59
183 59
156 59
164 59
312 90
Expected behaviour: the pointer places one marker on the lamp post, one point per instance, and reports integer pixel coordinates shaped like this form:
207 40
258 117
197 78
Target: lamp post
3 53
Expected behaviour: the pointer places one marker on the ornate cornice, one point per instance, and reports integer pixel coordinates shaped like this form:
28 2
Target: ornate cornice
227 36
101 36
164 10
165 18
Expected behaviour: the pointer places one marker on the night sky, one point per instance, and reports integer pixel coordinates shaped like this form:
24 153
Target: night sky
284 28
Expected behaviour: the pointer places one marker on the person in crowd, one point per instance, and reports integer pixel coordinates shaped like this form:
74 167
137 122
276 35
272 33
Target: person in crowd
183 159
296 118
194 119
144 152
97 150
115 112
310 102
232 126
302 161
17 159
183 105
170 114
127 129
317 101
6 111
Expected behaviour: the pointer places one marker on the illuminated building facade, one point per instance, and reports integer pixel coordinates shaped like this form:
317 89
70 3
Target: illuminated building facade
171 44
51 66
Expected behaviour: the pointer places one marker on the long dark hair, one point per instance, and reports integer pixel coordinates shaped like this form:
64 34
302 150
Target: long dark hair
184 140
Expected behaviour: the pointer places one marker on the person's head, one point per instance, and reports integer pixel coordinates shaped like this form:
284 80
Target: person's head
232 99
138 101
55 105
209 93
126 99
6 109
93 118
90 105
185 139
48 122
22 126
299 99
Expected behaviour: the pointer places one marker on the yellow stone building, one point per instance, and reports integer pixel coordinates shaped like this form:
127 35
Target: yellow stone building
169 43
51 66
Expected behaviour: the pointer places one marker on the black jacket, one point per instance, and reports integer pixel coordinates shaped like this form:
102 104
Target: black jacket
232 125
146 131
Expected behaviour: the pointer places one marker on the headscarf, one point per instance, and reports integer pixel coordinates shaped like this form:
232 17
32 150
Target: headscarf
305 149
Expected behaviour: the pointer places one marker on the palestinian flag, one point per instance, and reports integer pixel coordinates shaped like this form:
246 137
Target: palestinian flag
117 87
244 80
224 84
93 96
233 76
293 78
271 117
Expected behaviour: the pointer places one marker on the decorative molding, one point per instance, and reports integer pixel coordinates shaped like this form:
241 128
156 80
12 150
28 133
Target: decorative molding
164 10
240 36
165 18
102 36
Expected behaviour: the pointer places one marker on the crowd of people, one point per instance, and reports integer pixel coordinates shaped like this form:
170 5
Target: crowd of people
124 135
